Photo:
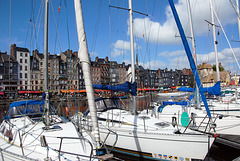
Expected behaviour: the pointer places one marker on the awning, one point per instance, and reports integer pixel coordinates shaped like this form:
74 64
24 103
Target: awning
1 93
82 91
146 89
30 92
73 91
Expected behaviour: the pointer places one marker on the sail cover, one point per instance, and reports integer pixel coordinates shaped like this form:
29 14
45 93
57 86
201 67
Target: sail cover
126 87
184 103
28 107
215 90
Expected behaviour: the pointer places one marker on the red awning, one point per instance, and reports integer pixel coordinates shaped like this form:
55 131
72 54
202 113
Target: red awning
1 93
30 92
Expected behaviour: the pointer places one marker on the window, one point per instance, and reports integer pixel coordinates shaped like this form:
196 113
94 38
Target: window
20 75
25 67
25 75
20 54
20 60
26 54
20 67
25 82
25 60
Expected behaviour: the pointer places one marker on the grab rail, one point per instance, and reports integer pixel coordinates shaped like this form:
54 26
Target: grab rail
60 146
111 131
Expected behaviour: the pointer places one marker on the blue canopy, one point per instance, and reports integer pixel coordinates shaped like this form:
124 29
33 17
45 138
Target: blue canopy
215 90
126 87
28 107
27 102
185 103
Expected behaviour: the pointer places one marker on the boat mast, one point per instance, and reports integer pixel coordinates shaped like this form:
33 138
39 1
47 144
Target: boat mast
85 61
189 55
215 40
132 54
237 3
46 63
194 48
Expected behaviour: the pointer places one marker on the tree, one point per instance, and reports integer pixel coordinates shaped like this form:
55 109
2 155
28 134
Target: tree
220 68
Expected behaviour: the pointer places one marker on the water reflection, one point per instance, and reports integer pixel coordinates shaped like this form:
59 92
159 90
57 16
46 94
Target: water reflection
80 104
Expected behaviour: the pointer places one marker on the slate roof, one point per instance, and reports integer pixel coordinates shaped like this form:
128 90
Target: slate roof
22 49
5 58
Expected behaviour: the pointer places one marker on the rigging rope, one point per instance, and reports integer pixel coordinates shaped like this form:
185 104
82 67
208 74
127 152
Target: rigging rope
226 38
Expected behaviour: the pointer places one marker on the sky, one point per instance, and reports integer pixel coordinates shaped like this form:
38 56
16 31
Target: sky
156 39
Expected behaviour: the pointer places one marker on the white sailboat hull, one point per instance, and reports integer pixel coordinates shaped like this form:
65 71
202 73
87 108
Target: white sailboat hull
154 144
227 124
151 138
26 145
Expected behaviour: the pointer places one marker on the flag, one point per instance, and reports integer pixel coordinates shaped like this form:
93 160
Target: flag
59 8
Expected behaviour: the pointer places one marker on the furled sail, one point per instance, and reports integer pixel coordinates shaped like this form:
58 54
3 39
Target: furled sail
215 90
126 87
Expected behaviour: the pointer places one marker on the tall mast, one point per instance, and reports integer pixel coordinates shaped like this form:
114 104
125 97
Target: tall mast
194 47
132 54
189 55
215 40
85 61
238 17
46 63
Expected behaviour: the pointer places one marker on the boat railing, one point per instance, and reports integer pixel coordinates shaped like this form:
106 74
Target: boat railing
74 138
111 132
208 125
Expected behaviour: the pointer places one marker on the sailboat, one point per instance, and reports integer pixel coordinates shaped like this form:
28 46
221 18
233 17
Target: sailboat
32 130
225 116
141 136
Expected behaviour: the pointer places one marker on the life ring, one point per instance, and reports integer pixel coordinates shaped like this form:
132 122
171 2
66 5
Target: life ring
67 111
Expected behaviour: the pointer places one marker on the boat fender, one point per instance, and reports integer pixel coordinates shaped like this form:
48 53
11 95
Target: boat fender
220 116
174 121
67 111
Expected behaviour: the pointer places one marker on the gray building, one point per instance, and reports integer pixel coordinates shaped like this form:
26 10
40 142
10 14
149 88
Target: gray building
22 56
8 74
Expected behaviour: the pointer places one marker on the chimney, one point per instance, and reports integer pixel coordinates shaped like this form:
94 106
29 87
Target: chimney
13 50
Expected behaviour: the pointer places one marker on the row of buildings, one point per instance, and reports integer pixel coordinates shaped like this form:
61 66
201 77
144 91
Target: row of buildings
22 71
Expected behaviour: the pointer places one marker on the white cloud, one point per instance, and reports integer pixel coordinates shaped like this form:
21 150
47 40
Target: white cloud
178 59
154 64
176 53
118 52
120 44
164 33
121 47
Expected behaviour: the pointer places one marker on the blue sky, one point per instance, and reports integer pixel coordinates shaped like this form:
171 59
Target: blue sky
108 35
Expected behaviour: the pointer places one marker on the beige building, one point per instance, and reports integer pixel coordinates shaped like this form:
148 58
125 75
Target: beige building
209 77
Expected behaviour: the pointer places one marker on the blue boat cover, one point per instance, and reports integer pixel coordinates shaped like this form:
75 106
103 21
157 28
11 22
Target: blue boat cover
16 109
185 103
215 90
126 87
